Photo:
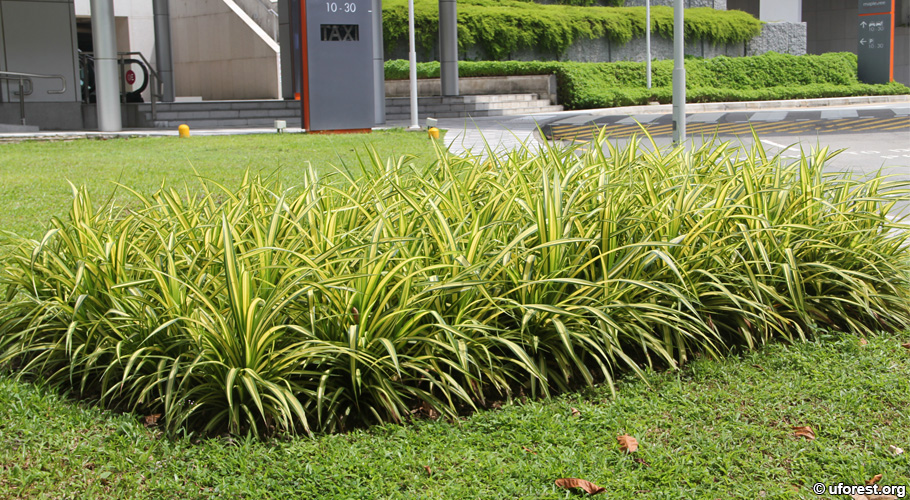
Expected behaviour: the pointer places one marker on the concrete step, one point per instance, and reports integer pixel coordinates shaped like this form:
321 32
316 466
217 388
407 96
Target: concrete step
263 113
224 123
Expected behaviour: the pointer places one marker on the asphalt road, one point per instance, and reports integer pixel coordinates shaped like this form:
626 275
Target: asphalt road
871 137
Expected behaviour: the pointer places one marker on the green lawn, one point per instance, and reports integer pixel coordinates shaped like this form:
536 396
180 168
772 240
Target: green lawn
717 429
34 175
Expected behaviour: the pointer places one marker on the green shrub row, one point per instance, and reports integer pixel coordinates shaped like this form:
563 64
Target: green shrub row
349 301
501 27
599 85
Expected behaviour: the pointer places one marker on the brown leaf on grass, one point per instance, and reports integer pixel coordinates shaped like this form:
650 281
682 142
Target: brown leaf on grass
876 478
906 346
804 431
151 420
863 341
429 472
575 412
529 450
627 443
895 450
571 482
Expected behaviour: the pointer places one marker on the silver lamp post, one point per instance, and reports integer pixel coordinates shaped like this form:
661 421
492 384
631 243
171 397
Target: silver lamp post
412 59
679 74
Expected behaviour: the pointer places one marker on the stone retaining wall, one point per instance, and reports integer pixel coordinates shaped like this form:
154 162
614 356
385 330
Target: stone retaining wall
714 4
785 38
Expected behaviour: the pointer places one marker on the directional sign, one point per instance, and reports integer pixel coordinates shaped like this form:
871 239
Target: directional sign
875 43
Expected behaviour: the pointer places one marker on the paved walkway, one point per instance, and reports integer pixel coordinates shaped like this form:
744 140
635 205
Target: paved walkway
509 132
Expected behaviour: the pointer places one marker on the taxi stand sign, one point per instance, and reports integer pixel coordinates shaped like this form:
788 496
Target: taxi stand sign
875 41
337 66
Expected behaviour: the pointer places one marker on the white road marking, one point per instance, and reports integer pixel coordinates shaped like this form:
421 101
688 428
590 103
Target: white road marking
776 145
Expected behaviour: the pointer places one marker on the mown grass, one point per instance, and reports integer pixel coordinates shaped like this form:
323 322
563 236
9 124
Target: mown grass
34 175
717 429
333 305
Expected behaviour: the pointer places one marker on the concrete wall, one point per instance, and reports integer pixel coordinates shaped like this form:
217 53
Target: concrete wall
750 6
218 55
787 11
38 36
219 52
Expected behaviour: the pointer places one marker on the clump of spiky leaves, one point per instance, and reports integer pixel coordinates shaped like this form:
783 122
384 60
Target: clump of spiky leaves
347 301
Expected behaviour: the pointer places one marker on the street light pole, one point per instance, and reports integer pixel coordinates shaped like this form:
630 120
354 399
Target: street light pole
648 39
412 62
679 74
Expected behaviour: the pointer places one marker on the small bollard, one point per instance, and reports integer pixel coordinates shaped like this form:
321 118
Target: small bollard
183 130
433 133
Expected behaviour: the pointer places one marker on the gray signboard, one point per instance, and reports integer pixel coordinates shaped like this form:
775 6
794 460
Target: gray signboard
340 64
874 51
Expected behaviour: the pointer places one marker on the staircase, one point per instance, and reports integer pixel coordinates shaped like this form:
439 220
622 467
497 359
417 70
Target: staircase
215 114
263 113
399 108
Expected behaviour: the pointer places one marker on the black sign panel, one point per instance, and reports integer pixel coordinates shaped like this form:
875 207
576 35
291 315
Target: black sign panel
874 6
874 48
339 32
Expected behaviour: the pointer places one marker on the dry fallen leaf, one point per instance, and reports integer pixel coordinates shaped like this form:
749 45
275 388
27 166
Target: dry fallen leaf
804 431
863 341
589 487
875 479
906 346
627 443
895 450
429 472
575 412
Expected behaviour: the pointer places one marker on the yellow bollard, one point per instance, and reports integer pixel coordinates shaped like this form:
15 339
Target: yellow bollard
184 130
433 132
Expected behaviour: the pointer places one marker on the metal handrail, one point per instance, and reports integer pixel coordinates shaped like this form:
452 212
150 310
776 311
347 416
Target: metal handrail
26 77
156 88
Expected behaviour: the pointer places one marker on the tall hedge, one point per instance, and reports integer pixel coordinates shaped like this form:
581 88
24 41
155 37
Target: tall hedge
501 27
601 85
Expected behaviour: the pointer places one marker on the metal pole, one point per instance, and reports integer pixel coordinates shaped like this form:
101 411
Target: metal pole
163 54
679 74
21 101
412 60
378 65
107 90
648 39
448 47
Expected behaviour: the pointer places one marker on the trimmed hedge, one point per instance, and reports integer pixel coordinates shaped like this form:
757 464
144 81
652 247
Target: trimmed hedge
602 85
500 27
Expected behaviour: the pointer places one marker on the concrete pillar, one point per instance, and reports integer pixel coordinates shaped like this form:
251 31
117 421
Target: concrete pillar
287 50
448 46
787 11
107 87
163 52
